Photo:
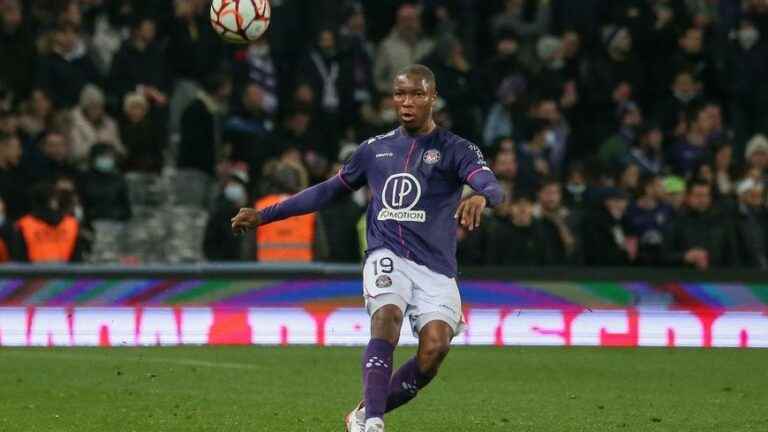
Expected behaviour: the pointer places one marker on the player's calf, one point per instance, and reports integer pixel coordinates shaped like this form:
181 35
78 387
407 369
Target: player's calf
418 372
377 360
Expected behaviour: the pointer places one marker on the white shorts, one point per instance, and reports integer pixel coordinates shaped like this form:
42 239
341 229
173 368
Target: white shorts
422 295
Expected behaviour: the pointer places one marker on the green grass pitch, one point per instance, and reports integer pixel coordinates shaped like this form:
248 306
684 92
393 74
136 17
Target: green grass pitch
310 389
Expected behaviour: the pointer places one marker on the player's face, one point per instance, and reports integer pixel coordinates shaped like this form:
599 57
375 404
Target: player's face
414 99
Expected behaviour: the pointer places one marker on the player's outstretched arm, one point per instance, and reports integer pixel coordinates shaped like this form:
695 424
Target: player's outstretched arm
309 200
488 193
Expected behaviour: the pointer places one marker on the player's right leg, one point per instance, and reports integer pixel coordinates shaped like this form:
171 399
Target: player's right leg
387 291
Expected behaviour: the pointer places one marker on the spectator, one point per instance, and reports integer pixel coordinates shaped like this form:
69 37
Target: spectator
258 67
699 236
298 239
629 179
357 55
506 112
220 243
17 50
537 241
533 155
575 186
550 207
67 68
693 148
547 110
194 49
91 125
103 188
646 221
756 155
550 74
614 149
297 131
201 146
37 115
746 66
527 19
648 153
453 71
750 225
723 168
321 70
605 242
249 130
140 65
404 46
50 159
46 234
693 56
142 138
505 167
685 92
505 64
11 178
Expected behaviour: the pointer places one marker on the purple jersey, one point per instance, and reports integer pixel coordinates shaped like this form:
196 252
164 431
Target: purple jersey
416 183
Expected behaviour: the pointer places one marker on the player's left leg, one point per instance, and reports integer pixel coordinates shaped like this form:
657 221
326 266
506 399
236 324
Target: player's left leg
434 344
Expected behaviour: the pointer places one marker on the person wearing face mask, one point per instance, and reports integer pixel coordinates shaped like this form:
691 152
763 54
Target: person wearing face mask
220 244
103 188
46 234
603 231
684 92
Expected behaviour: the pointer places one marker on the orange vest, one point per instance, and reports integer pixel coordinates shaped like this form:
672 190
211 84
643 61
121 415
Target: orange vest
46 243
288 240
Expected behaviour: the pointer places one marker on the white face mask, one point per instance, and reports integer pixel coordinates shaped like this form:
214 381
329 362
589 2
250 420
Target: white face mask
235 193
78 213
748 37
550 138
104 164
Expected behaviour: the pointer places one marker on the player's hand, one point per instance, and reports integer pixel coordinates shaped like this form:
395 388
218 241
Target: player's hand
470 211
245 220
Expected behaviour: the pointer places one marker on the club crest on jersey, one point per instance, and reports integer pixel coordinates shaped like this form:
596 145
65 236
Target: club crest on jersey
399 196
383 281
431 157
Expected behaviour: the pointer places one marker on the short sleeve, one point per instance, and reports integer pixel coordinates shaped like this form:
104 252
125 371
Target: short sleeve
353 173
469 160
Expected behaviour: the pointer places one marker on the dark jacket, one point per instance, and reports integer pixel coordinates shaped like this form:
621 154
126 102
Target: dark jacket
338 222
750 231
144 143
511 245
603 239
64 79
200 133
220 243
132 67
105 196
711 231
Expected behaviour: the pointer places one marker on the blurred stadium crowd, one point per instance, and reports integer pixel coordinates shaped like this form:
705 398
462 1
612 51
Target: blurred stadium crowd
626 132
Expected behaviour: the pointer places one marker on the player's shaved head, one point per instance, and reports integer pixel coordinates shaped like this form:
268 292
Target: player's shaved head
419 73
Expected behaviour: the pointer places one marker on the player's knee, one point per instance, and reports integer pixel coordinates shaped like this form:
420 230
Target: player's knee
431 354
386 322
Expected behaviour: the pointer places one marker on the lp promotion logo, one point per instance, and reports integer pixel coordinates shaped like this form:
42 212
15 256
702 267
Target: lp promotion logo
400 195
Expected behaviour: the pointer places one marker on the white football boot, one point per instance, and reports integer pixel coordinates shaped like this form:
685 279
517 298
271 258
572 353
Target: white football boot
374 425
356 419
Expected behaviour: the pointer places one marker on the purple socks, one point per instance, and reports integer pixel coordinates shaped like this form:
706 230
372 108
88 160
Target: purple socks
377 369
406 383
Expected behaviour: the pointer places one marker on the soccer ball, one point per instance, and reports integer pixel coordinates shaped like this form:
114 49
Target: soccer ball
240 21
